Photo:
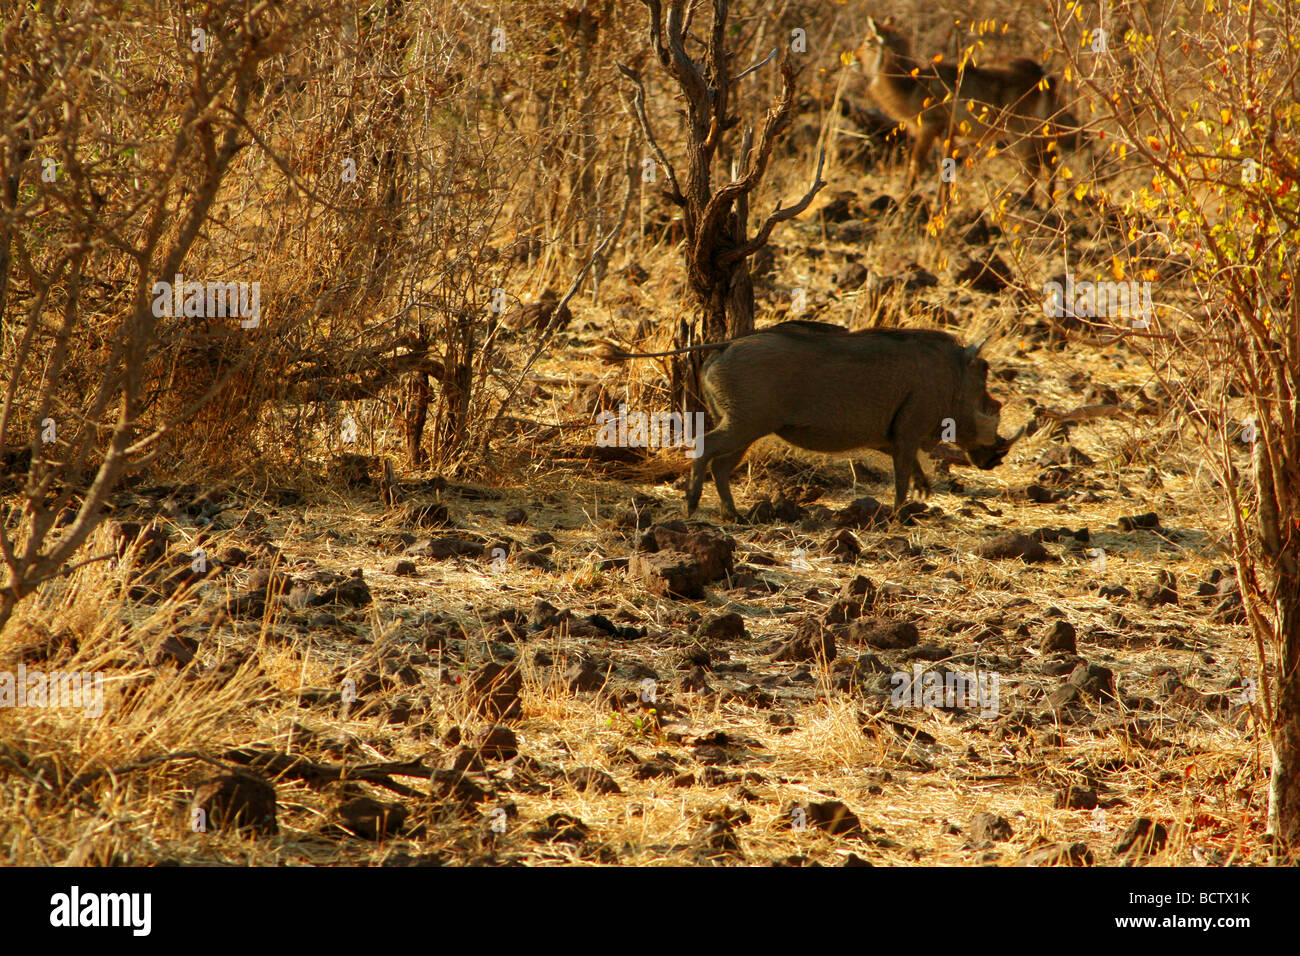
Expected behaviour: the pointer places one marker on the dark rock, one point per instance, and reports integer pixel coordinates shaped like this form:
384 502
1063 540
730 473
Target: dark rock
1143 522
370 819
1013 546
1059 854
712 551
842 546
668 573
493 691
722 627
1076 798
812 641
592 780
1163 591
989 826
583 676
884 634
863 513
832 816
1094 680
496 743
1059 637
235 800
1142 836
990 274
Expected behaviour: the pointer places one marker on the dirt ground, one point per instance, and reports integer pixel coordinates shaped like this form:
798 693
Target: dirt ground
548 666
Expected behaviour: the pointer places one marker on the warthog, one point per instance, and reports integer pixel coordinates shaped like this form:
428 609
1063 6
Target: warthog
826 389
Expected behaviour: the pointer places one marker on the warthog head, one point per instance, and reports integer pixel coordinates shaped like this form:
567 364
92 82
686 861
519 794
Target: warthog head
984 447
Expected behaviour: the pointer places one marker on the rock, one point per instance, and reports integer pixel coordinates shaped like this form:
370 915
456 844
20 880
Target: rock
711 550
989 826
812 641
559 828
147 545
855 598
1163 591
1142 836
1143 522
353 592
1094 680
1045 496
582 676
990 274
722 627
1076 798
496 743
696 681
370 819
175 649
440 549
425 514
515 516
779 508
235 800
863 513
843 546
1013 546
883 633
232 557
592 780
668 573
404 569
832 816
493 691
1060 637
1059 854
850 276
534 559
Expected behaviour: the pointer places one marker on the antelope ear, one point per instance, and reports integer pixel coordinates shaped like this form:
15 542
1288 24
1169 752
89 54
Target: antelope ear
873 29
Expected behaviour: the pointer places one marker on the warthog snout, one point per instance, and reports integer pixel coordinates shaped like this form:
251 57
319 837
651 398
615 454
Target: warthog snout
989 456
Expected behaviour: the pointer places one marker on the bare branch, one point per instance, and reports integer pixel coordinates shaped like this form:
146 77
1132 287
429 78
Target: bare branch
757 66
779 215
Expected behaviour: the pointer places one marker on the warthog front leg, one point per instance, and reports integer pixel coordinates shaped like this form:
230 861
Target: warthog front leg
906 468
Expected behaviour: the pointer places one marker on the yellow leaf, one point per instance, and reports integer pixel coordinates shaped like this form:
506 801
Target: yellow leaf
1117 268
1080 191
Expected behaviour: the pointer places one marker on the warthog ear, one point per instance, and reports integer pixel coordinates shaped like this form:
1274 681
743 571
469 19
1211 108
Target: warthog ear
974 350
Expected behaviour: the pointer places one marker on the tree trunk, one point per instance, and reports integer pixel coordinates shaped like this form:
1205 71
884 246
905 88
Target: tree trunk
1284 787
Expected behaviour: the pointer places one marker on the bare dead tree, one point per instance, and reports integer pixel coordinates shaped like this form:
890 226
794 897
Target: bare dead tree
716 218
